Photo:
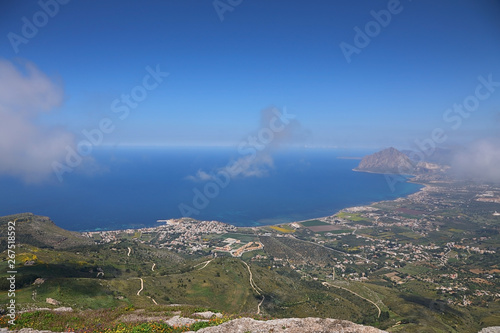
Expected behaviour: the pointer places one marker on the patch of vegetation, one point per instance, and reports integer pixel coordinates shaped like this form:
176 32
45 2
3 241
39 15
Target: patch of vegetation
313 223
282 228
355 217
109 321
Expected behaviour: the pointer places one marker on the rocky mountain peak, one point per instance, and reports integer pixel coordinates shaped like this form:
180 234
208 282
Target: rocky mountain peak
389 160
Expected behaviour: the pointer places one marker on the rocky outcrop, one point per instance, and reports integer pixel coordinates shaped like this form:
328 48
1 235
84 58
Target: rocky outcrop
52 301
208 314
389 160
493 329
290 325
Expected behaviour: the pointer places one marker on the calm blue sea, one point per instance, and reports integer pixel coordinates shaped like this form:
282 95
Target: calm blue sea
134 187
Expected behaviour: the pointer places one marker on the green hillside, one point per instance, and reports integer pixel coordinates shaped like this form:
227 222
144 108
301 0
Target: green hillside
108 276
39 231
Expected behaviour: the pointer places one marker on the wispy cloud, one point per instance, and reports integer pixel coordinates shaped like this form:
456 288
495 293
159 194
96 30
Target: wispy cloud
479 160
200 176
253 167
28 148
277 129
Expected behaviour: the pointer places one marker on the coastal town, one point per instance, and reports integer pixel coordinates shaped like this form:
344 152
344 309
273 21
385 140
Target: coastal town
400 242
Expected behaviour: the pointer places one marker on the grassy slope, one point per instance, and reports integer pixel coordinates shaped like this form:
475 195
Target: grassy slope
39 231
71 278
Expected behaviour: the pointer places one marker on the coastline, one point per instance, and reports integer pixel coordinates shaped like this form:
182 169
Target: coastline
384 173
349 158
315 183
425 187
410 179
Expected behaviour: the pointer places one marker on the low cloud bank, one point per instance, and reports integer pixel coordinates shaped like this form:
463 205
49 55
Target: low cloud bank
479 160
28 148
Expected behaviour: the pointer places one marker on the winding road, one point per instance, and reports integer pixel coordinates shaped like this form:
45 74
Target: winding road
142 281
142 287
205 262
352 292
254 287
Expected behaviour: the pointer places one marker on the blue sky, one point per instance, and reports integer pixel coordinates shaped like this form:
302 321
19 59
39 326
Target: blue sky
263 53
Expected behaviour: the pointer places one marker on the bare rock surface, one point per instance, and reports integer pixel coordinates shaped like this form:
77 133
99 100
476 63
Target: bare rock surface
63 309
181 321
493 329
290 325
207 314
389 160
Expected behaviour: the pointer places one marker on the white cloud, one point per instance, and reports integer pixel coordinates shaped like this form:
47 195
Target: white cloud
200 176
479 160
250 166
27 149
277 129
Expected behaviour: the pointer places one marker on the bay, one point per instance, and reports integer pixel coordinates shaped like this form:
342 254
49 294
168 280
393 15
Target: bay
134 187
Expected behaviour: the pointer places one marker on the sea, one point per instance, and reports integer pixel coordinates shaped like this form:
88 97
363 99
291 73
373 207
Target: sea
133 187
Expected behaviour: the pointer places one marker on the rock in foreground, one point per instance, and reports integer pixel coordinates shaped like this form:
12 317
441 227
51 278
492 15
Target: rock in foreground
290 325
495 329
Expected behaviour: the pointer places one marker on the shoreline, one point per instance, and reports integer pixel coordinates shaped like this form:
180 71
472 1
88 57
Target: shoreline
349 158
408 180
424 188
384 173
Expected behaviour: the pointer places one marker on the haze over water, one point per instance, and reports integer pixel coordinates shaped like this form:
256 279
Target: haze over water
134 187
